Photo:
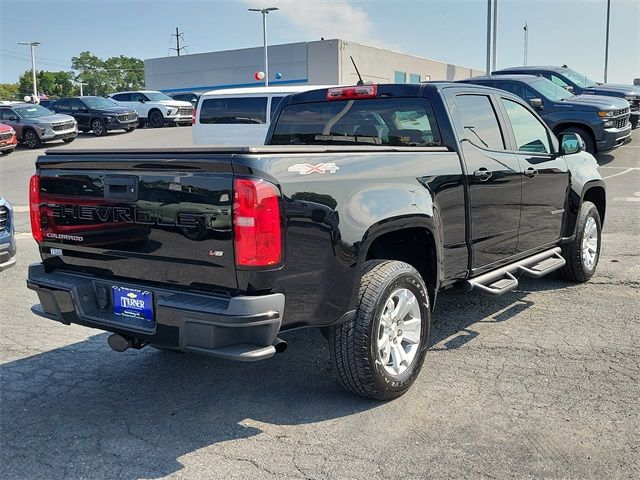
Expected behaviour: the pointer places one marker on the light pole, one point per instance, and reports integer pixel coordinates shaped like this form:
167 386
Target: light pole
265 12
488 69
33 46
606 45
526 42
494 60
80 84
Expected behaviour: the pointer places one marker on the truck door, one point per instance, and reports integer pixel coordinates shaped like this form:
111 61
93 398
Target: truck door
545 180
494 178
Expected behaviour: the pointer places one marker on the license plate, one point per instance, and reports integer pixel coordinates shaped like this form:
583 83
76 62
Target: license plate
133 303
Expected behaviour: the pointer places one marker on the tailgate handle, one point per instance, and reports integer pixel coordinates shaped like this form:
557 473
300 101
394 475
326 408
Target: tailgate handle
121 187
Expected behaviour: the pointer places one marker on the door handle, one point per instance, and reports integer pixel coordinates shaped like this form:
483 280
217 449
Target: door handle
482 174
531 172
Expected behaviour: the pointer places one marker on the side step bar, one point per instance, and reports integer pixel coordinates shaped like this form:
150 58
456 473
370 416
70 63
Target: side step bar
502 280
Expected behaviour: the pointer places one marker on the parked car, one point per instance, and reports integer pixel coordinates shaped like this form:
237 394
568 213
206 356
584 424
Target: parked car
580 84
602 122
7 238
238 116
190 97
366 202
35 125
155 109
97 114
8 139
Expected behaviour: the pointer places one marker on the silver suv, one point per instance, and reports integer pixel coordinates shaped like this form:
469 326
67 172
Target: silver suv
35 125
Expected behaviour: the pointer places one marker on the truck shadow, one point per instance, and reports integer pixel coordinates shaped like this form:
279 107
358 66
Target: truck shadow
85 411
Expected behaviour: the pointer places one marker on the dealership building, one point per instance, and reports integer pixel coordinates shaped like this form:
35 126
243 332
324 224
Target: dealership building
324 62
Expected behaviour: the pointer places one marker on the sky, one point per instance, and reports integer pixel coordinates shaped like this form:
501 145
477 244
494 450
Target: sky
568 32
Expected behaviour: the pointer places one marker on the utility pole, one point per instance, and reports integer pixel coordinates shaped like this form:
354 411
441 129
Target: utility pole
488 69
178 35
33 46
265 12
494 61
526 42
606 45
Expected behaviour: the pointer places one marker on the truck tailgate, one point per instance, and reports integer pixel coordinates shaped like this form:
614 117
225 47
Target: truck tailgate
157 218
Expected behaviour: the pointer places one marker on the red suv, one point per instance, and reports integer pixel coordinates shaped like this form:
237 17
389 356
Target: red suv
8 139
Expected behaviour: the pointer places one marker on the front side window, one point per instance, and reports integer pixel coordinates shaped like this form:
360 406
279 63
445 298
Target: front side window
8 114
559 81
156 96
479 121
122 97
137 97
579 79
531 135
550 90
518 90
234 110
406 122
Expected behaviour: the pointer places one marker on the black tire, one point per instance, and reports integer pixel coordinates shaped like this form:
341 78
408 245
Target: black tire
8 152
31 139
98 127
587 137
576 268
354 349
68 140
156 120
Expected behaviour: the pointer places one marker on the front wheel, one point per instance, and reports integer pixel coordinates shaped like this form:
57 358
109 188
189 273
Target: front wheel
31 139
156 120
380 353
583 253
98 127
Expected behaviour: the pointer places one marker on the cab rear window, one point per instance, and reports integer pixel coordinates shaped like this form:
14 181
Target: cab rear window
234 110
407 122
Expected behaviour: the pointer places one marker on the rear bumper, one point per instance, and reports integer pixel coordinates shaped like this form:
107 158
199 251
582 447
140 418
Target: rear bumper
239 328
613 137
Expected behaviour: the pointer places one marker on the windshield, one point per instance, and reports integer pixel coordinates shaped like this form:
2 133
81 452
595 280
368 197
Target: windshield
33 111
97 102
579 79
157 96
550 90
407 122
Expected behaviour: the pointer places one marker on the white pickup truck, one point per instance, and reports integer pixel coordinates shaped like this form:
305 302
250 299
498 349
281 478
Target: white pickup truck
155 108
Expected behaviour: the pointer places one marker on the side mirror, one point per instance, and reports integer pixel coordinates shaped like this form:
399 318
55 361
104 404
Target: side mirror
571 143
536 103
570 89
141 100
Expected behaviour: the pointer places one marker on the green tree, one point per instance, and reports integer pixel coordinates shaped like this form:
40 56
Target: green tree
9 91
110 75
53 84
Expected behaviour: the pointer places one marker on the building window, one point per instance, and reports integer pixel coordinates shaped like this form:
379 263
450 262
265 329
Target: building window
400 77
414 78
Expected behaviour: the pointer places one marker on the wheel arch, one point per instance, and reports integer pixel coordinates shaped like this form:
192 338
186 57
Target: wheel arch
413 240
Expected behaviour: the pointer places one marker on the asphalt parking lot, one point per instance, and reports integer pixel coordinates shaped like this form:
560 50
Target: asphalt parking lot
542 382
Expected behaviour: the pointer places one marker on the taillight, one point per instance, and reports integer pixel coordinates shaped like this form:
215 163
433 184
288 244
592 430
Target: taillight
193 116
256 223
346 93
34 208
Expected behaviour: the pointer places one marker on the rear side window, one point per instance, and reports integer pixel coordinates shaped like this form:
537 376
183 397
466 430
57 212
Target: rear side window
531 135
234 110
479 121
407 122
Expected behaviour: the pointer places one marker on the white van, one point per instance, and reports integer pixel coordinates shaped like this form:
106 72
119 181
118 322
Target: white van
239 116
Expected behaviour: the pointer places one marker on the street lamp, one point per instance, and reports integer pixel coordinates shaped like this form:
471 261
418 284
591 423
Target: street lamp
33 46
265 12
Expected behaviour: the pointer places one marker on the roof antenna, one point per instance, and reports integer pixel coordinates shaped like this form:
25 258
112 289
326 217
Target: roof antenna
360 82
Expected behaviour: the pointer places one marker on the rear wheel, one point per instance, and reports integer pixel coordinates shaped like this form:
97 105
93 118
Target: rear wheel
380 353
156 120
583 253
589 142
31 139
98 127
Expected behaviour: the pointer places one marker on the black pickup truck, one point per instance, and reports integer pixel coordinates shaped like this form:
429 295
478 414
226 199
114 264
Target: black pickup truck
366 202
